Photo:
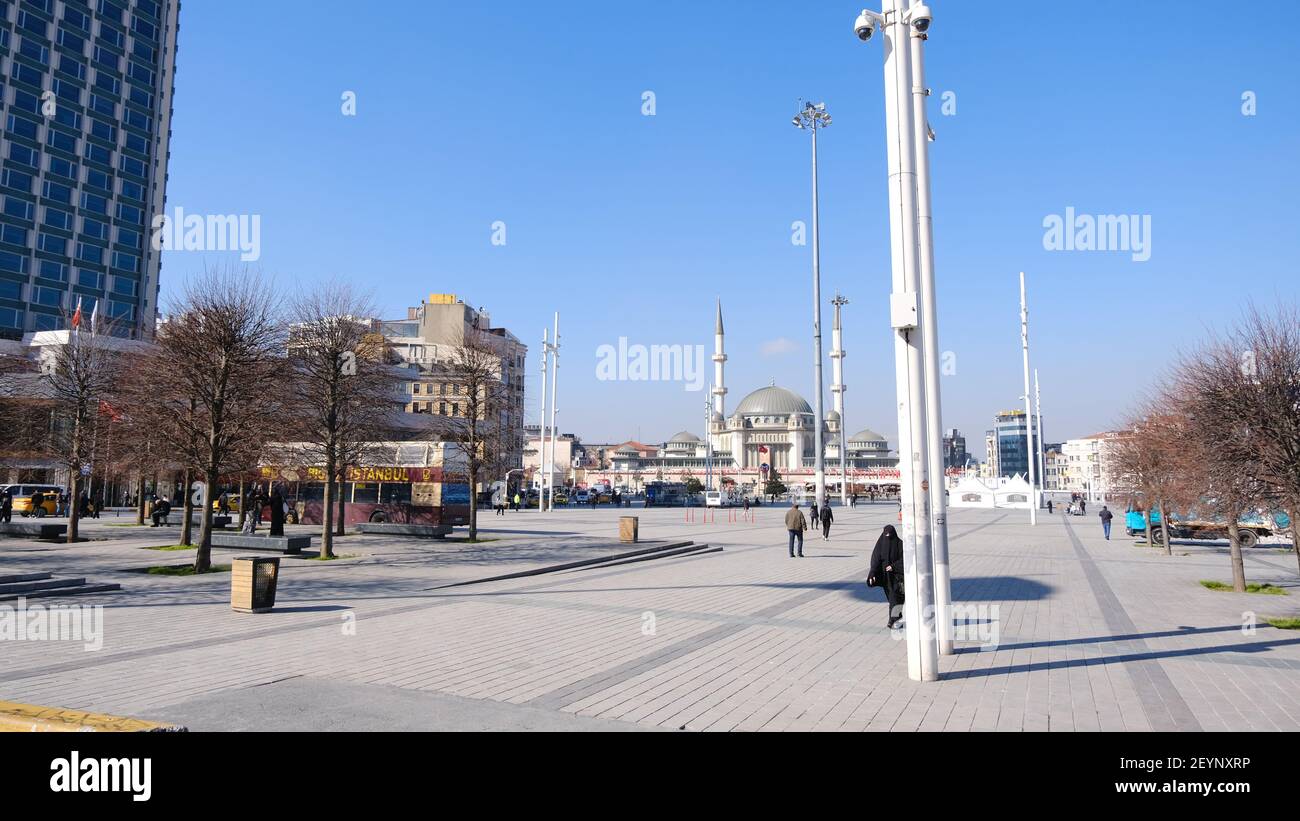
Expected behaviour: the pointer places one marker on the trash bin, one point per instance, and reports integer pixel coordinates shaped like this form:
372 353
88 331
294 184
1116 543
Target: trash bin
628 528
252 583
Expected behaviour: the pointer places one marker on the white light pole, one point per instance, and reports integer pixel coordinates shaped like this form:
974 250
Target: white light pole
1038 418
813 117
837 373
1029 405
555 367
908 320
921 134
541 425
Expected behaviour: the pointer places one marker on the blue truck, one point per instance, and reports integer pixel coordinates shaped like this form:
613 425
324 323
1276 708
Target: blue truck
1190 525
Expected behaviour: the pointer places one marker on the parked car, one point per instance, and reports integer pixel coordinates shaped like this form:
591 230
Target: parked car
582 497
22 499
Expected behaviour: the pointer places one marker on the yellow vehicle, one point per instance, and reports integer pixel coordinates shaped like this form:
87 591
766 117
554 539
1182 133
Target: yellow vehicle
22 499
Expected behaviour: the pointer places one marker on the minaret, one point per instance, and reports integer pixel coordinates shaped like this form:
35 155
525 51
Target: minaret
719 360
837 358
837 370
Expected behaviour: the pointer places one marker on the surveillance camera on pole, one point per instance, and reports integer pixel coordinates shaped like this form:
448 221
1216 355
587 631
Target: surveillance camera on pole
908 314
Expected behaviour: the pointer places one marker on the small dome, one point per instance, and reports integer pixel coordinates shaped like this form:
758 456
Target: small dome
773 401
833 416
684 437
866 435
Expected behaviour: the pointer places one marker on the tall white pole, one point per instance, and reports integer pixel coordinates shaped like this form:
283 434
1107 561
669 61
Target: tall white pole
541 425
555 368
837 374
819 444
933 407
909 352
1029 405
1038 418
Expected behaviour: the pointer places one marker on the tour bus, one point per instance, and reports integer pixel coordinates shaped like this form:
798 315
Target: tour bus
423 487
665 494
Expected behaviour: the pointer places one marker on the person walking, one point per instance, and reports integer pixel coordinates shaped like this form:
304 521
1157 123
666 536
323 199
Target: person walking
1083 506
278 506
813 515
796 525
1049 507
6 506
1105 515
516 501
827 518
252 503
886 571
746 504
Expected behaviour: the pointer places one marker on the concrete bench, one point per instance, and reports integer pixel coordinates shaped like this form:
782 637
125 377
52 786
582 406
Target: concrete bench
397 529
279 544
33 530
218 522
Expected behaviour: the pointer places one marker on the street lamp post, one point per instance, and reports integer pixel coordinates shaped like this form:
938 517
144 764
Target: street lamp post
921 135
555 368
1029 405
907 318
541 424
813 117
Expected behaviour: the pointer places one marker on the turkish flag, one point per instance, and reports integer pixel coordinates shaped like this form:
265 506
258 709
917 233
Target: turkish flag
762 448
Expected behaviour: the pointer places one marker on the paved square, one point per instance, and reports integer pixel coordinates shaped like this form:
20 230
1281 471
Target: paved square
1092 635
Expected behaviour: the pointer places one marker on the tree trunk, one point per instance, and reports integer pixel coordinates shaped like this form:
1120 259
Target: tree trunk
1295 534
327 516
243 506
1164 529
473 503
203 556
1147 516
139 500
74 504
1234 551
187 510
339 522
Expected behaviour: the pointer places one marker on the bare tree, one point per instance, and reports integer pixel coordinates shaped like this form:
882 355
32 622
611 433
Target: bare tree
217 369
76 376
1266 347
343 389
479 402
1149 459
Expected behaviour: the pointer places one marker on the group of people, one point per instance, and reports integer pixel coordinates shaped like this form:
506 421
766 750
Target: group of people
886 569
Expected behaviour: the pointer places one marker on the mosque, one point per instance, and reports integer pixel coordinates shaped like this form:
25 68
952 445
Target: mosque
770 428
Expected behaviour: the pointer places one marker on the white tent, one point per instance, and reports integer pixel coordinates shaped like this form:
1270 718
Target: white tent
1000 492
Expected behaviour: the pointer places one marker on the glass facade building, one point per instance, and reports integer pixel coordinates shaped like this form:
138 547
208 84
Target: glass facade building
1014 443
86 88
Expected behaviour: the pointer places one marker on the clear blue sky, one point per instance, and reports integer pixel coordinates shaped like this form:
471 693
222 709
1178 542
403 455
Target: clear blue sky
469 113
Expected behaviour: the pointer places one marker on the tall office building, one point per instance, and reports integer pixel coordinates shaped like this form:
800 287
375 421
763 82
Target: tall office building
1015 443
87 100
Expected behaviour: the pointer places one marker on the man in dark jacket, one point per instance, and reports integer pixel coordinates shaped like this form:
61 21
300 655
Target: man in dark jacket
1105 515
827 518
887 571
796 525
6 506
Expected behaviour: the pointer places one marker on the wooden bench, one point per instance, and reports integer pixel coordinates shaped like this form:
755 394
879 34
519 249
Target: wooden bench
33 530
398 529
279 544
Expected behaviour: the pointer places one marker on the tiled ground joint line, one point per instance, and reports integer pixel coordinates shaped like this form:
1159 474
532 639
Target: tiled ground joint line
1160 699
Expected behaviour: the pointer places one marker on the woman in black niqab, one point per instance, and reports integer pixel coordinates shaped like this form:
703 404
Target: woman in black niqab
887 571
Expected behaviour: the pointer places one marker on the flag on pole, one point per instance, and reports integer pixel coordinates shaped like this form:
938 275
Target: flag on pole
76 316
94 317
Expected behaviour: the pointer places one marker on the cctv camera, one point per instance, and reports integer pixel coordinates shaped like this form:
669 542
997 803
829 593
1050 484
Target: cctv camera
920 18
865 26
